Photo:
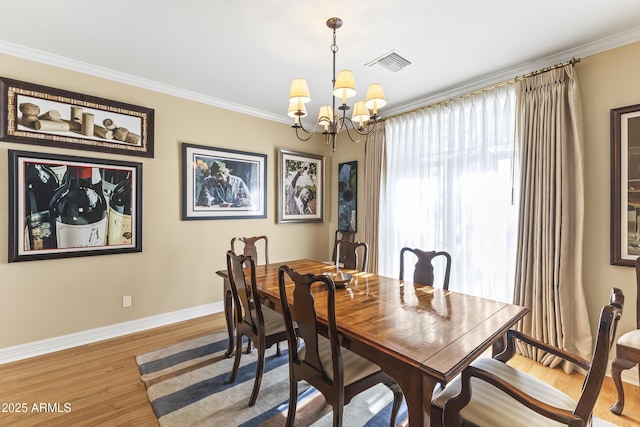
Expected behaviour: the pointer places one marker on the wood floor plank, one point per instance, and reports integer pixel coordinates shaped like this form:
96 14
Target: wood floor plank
102 384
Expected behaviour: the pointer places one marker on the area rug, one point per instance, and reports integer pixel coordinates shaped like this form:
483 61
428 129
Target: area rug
187 386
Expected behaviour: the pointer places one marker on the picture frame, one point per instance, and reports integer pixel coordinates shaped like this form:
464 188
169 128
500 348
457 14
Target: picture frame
68 206
348 196
625 185
220 183
42 115
300 187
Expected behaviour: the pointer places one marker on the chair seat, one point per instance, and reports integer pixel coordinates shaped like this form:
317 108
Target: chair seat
630 339
355 367
273 321
490 406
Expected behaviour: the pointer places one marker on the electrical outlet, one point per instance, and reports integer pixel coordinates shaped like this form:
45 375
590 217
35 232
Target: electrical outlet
126 301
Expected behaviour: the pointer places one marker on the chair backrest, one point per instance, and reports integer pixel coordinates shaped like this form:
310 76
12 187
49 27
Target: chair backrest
245 294
424 272
250 248
638 293
607 325
342 235
353 255
303 312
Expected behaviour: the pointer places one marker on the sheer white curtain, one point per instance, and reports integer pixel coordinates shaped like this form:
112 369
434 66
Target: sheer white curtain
448 184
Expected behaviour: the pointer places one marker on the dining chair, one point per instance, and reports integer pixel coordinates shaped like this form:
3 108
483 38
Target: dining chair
490 392
260 324
336 372
353 255
250 248
349 236
424 271
627 351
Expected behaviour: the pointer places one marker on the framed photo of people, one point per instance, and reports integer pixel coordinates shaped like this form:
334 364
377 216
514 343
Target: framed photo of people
68 206
625 185
300 187
347 196
221 183
42 115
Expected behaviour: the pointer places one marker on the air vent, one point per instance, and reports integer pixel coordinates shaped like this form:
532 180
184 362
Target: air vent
389 63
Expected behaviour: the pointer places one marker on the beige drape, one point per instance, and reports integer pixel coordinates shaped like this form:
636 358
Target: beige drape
549 268
373 171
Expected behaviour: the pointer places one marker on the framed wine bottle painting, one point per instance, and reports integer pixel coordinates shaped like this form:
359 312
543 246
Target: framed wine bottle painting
68 206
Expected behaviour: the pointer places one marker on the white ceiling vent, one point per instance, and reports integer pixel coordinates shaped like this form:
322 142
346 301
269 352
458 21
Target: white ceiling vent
389 63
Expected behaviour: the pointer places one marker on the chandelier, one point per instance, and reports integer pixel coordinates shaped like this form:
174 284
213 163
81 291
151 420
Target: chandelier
330 122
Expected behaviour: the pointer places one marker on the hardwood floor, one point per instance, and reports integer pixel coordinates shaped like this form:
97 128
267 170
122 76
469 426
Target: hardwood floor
99 384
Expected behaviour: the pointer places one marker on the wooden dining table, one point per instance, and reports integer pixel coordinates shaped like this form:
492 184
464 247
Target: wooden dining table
419 335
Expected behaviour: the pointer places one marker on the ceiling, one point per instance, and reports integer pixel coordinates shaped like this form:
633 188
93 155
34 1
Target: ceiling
243 55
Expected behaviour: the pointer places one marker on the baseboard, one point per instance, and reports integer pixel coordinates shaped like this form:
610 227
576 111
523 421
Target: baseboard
50 345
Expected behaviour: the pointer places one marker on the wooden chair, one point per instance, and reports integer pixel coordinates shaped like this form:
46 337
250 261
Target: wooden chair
262 325
336 372
353 255
423 272
501 395
349 236
627 351
250 248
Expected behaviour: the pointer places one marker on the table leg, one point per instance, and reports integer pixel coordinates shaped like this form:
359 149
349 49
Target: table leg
418 392
228 316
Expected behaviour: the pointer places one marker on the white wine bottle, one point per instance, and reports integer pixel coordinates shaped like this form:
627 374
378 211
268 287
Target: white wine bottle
120 213
78 210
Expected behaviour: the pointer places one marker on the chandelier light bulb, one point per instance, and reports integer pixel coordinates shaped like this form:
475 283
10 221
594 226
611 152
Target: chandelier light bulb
375 98
345 86
299 91
360 113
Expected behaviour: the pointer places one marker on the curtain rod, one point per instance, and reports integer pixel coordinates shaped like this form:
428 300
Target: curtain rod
572 62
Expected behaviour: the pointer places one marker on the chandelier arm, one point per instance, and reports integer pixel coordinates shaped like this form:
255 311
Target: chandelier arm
302 138
365 131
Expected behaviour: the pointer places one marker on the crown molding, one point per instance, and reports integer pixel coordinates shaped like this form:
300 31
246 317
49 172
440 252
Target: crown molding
583 51
588 49
106 73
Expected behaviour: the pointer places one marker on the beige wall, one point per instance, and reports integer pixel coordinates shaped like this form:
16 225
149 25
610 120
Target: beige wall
176 270
607 80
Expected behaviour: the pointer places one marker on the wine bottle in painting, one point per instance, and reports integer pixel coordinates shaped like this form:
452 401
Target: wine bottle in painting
120 213
111 178
41 183
78 210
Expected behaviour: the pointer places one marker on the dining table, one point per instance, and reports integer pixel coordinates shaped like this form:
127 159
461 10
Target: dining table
419 335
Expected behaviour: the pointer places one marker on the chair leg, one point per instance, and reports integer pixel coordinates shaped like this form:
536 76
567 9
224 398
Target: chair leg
236 360
337 414
617 366
397 401
293 400
278 351
259 372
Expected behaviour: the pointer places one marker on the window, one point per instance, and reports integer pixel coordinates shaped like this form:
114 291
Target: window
450 184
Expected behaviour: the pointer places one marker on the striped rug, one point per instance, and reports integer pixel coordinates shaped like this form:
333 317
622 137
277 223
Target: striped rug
187 386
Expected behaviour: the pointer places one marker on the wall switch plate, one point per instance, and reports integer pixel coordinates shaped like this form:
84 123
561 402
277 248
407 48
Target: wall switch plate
126 301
